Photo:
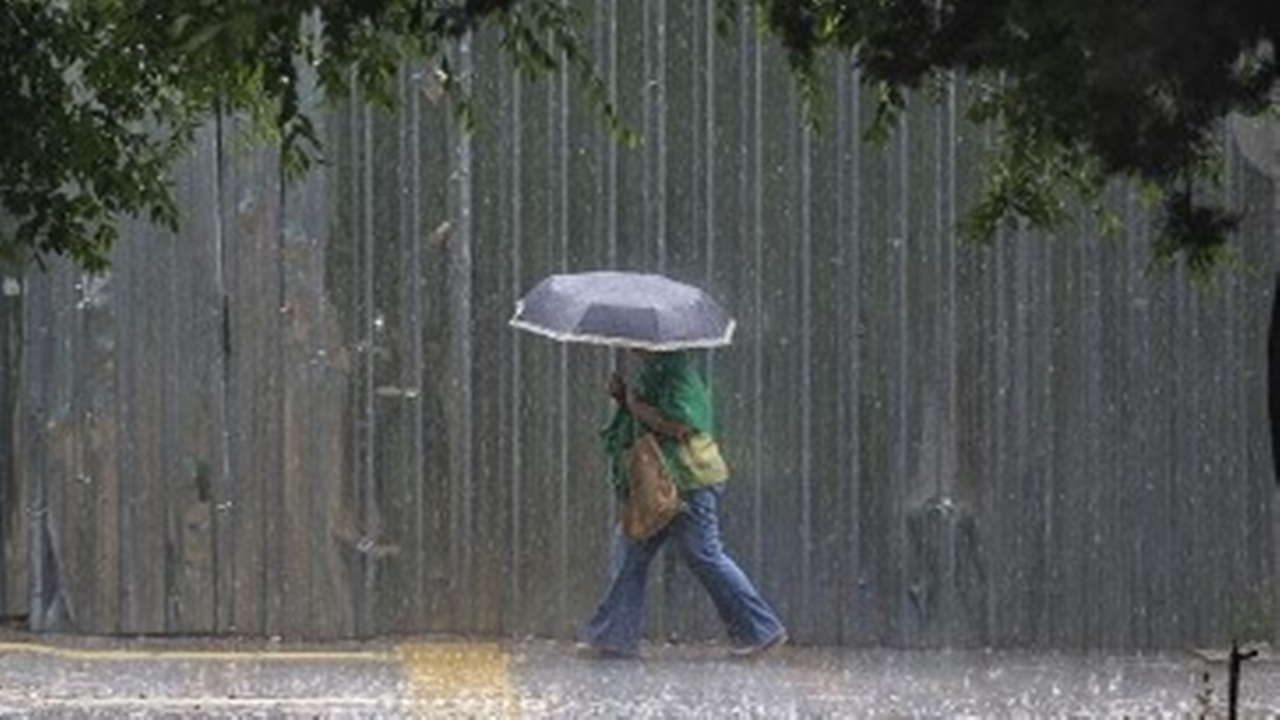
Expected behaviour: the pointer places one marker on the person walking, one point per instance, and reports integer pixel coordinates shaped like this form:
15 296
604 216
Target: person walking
671 400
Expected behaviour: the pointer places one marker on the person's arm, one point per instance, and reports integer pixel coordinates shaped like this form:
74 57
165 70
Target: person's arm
652 419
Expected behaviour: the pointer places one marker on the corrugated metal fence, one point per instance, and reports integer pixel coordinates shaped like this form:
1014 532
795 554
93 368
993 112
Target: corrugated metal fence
305 415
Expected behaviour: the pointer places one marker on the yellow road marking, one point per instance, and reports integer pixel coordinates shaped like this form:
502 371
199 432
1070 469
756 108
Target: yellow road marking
248 655
209 703
471 679
458 675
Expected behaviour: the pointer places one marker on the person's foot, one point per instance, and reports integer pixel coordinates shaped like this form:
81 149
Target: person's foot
754 651
600 652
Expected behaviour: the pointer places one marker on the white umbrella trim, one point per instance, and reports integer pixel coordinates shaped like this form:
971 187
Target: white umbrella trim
625 342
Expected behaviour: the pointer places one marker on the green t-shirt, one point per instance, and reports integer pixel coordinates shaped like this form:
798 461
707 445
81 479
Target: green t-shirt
672 384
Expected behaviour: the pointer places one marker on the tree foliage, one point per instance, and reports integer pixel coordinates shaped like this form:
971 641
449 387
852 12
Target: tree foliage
1082 91
99 97
88 129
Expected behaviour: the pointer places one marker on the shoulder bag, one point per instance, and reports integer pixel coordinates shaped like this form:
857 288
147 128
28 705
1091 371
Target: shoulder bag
652 499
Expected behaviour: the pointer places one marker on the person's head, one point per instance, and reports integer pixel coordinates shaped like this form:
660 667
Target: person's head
656 358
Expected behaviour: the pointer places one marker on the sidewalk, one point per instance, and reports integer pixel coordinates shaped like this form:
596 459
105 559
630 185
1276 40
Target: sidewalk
63 677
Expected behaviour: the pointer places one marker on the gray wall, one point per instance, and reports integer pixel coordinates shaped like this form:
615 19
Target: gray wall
306 416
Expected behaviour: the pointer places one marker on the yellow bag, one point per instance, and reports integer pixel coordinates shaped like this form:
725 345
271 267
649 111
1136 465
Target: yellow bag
652 499
701 455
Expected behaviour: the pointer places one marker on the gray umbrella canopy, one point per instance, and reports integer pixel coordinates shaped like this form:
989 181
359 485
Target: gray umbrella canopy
622 309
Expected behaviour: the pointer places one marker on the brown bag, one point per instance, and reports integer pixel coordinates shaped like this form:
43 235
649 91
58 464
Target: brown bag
652 499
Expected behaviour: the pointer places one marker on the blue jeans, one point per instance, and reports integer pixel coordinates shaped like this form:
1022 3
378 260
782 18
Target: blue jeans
748 619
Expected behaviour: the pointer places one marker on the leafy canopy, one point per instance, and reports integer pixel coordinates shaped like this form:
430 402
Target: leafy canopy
1081 90
98 98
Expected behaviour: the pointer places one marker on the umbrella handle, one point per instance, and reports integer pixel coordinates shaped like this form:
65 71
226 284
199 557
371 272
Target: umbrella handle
618 388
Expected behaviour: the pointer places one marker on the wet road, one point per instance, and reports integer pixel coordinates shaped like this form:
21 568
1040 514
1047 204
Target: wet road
104 678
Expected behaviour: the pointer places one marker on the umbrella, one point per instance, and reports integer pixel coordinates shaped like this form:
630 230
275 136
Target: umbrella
622 309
